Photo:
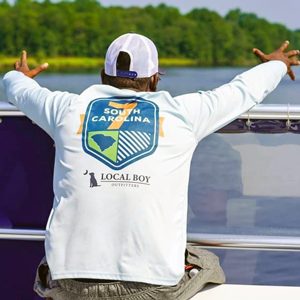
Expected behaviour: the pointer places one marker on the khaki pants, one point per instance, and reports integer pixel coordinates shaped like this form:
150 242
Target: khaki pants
205 262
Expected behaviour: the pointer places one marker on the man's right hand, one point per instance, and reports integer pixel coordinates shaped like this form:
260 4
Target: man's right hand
279 54
23 67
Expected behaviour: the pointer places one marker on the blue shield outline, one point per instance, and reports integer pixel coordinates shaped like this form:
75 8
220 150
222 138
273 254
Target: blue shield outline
148 109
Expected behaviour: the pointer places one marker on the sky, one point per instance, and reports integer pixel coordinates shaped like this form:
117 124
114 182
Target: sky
275 11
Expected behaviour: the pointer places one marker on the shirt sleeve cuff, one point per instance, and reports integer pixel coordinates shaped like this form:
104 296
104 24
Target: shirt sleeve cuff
280 65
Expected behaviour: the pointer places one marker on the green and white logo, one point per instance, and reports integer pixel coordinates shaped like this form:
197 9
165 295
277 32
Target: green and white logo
120 131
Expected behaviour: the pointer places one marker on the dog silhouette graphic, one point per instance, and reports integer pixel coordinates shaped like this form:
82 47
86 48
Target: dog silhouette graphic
93 180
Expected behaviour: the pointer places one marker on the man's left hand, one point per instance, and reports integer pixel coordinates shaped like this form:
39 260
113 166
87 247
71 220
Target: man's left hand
281 55
23 67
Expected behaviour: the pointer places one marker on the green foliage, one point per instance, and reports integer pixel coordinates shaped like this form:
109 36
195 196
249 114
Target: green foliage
84 28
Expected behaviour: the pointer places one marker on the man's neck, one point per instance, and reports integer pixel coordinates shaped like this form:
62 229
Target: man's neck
132 89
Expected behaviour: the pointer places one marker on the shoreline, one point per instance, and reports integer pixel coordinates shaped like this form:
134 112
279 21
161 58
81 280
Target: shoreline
87 63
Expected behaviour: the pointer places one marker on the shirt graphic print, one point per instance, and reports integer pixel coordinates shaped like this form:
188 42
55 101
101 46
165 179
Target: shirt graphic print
119 131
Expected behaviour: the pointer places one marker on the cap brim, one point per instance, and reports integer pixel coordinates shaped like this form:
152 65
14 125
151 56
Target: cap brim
161 71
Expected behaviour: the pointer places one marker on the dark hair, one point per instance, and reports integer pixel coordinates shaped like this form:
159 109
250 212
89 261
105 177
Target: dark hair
123 64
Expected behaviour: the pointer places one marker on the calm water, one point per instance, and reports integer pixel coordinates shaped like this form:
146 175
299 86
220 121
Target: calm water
257 196
177 81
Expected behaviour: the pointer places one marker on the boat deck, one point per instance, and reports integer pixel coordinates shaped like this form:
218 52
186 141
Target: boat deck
247 292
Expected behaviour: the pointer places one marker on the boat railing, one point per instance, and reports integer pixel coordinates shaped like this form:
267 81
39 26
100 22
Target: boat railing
273 112
220 241
261 111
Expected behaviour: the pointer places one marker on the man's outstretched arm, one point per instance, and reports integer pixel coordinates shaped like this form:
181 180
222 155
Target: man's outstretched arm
209 111
39 104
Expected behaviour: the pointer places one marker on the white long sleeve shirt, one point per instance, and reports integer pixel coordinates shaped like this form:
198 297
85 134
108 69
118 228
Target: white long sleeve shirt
122 170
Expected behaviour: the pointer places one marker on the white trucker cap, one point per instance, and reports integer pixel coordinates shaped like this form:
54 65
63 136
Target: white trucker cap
143 56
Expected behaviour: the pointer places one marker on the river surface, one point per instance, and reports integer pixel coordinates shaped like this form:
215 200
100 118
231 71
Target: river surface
240 183
177 81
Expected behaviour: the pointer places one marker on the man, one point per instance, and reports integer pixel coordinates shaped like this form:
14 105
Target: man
123 151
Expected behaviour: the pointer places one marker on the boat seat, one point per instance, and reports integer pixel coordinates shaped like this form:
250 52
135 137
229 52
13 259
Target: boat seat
247 292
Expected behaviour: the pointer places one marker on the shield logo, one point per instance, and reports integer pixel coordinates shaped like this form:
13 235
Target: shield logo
119 131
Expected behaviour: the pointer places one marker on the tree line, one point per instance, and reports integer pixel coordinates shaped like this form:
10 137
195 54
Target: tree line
84 28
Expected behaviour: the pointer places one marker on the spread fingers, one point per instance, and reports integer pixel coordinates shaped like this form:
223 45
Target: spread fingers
283 46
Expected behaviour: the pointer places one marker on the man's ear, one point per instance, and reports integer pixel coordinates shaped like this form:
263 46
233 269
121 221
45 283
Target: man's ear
153 82
103 77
